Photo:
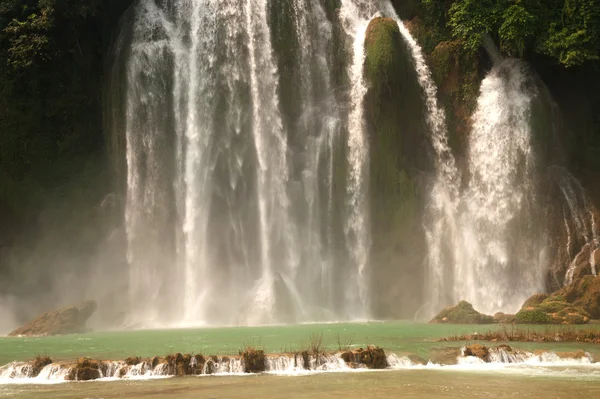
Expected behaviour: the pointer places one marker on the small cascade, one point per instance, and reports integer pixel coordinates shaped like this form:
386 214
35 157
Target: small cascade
16 371
54 372
24 372
507 355
399 362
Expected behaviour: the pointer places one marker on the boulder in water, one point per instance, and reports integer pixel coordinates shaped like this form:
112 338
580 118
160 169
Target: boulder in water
70 320
254 360
85 370
463 313
373 358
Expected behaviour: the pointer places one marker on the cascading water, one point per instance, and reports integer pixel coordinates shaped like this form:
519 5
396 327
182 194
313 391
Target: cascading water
497 254
355 16
501 161
487 267
248 169
231 206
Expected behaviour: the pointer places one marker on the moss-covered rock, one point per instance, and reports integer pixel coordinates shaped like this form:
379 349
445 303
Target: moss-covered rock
398 146
534 300
456 73
504 318
463 313
551 310
532 316
583 293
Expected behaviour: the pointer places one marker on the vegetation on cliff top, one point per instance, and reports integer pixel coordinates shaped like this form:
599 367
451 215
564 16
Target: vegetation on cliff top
566 30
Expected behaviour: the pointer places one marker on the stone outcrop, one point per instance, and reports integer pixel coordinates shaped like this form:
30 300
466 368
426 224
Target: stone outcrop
463 313
70 320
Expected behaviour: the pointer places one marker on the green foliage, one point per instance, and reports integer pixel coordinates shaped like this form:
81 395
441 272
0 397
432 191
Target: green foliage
573 33
30 42
567 30
471 20
517 26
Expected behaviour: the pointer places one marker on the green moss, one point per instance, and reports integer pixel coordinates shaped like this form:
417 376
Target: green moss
455 71
552 306
463 313
534 316
383 60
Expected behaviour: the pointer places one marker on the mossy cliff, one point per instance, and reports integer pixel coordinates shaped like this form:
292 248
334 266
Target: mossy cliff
396 130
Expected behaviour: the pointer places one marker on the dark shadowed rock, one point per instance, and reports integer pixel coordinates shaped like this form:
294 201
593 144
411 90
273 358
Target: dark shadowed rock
69 320
463 313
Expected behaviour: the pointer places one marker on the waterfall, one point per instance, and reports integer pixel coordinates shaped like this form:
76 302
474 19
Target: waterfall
490 257
233 139
355 16
501 161
441 211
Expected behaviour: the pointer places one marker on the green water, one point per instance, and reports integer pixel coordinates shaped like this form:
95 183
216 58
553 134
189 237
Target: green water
398 337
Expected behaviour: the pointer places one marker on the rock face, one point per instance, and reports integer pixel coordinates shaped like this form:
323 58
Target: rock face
69 320
463 313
